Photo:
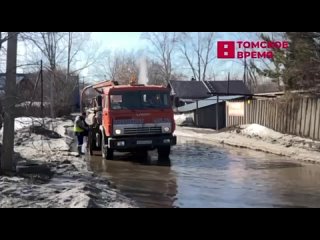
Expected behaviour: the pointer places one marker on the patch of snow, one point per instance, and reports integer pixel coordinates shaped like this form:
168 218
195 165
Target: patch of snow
73 185
33 104
24 122
184 119
120 205
61 127
256 130
257 137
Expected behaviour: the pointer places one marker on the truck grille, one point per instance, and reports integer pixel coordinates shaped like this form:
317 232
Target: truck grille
142 130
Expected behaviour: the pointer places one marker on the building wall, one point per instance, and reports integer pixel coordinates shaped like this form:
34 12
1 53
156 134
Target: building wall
206 117
25 90
298 116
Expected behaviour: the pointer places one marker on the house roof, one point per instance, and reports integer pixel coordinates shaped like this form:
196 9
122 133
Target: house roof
189 89
235 87
200 90
207 102
19 78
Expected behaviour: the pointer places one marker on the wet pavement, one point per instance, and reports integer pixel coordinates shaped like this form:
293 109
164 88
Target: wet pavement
199 175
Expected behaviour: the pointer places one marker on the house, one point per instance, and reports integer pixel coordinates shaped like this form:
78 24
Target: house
186 92
204 112
25 87
66 91
199 99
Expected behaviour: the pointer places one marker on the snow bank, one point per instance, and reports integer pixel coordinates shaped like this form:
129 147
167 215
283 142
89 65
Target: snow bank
33 104
256 130
71 186
184 119
24 122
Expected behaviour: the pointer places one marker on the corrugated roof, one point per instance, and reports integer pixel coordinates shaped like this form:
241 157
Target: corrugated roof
189 89
235 87
206 102
198 89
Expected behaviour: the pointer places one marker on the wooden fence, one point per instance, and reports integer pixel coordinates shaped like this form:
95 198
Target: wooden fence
296 116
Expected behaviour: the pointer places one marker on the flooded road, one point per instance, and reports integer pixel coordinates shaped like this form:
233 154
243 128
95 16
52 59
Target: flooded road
200 175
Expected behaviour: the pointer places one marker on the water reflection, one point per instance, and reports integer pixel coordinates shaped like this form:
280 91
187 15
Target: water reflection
147 179
200 175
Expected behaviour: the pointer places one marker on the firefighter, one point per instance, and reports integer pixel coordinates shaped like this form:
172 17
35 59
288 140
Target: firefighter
80 130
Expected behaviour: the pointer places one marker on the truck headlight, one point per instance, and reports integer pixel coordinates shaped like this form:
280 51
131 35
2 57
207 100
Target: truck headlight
166 129
118 131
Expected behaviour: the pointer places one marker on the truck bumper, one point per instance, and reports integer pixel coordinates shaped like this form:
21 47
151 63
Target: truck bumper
147 142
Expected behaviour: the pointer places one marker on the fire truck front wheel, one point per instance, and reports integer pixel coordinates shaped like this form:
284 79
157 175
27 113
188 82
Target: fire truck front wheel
164 151
107 153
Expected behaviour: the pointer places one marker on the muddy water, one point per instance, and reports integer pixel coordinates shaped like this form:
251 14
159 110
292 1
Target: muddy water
200 175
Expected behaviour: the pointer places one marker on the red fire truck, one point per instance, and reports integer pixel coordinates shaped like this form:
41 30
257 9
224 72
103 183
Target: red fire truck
128 118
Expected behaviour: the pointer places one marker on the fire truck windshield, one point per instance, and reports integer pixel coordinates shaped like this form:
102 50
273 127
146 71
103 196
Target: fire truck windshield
139 100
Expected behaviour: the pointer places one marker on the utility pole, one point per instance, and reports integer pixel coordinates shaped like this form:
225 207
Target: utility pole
41 79
69 54
52 92
9 104
228 83
217 113
197 113
78 92
245 72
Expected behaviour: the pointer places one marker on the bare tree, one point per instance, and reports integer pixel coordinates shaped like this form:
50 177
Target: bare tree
70 40
49 45
82 53
164 46
1 40
9 104
197 50
120 66
3 50
67 52
155 73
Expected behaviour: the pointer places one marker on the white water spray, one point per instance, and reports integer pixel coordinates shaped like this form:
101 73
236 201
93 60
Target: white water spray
143 71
